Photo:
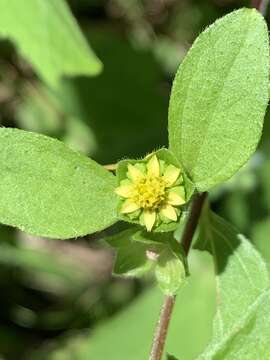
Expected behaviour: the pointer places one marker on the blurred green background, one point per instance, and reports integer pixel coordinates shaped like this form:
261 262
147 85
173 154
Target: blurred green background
58 300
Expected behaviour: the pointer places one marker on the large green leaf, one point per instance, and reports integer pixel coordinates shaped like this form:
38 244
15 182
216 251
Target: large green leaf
48 36
241 326
219 98
49 190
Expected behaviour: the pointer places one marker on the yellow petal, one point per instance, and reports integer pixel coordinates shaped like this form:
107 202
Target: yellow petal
175 199
134 173
169 212
124 190
153 166
129 206
149 218
171 175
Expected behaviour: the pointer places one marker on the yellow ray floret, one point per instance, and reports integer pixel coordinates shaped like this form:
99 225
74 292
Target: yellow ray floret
175 199
153 167
149 218
134 173
129 206
124 190
171 174
169 212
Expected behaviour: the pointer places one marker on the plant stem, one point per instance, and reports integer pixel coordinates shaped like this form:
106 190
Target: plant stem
192 222
169 301
260 5
162 328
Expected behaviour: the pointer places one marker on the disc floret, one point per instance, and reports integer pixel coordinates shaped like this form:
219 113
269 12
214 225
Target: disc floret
152 192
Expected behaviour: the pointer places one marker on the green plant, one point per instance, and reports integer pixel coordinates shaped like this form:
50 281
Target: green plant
218 102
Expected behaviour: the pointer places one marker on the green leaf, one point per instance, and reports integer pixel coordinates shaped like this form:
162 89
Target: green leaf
170 272
48 36
170 264
49 190
139 252
219 98
131 257
241 326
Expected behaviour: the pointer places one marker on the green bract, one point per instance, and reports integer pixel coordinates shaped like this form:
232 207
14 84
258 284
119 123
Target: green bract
170 271
153 191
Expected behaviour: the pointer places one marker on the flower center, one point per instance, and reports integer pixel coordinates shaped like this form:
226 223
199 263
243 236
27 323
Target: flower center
149 192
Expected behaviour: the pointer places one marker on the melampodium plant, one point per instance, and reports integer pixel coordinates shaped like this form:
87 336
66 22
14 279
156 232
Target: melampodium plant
217 106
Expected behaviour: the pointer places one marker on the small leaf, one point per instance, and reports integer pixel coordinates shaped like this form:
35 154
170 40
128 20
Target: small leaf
171 266
131 257
48 36
219 98
139 252
170 272
131 261
49 190
241 326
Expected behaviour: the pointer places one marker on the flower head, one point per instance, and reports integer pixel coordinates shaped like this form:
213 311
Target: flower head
152 192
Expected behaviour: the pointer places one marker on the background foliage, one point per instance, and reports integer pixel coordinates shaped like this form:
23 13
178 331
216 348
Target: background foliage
58 300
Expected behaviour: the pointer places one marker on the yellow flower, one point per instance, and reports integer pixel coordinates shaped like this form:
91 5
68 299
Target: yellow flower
153 192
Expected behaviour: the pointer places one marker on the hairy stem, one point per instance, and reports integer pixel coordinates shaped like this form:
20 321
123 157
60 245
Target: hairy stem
260 5
162 328
169 301
192 222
